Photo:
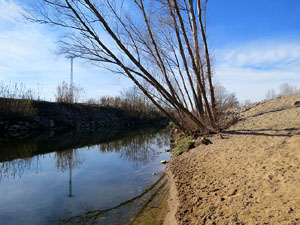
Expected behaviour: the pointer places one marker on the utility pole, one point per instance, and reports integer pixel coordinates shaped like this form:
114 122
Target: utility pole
71 81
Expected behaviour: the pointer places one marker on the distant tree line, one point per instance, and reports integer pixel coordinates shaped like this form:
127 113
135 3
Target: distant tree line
284 89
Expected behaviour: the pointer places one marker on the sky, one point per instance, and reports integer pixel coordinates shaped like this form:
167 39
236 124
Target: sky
255 46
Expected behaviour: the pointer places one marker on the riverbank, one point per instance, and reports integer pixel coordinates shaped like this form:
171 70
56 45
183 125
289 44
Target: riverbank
248 175
22 117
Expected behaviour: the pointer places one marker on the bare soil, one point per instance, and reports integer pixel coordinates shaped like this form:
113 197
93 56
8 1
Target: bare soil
249 176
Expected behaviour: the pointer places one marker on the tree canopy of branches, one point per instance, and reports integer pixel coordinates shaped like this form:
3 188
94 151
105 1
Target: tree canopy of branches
161 45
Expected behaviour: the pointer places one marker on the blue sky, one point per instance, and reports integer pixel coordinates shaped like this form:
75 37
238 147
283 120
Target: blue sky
255 46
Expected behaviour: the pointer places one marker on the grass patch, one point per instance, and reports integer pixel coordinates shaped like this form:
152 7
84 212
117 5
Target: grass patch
182 144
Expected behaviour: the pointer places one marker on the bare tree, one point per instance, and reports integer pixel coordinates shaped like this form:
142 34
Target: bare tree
246 102
161 43
287 89
224 99
271 94
65 94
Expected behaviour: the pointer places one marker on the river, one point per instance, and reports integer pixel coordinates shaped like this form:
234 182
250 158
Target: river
104 177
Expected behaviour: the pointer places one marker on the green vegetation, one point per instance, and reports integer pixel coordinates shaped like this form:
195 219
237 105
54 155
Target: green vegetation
183 144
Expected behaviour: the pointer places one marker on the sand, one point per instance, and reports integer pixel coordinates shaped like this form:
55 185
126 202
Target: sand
250 177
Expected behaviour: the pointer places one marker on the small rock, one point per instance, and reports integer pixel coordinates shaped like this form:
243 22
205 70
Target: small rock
205 141
163 161
41 121
14 127
223 137
14 134
51 123
167 150
51 134
297 103
233 193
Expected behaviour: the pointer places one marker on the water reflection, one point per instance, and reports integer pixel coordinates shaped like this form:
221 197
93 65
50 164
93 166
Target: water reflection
105 177
134 146
126 211
139 147
16 167
68 160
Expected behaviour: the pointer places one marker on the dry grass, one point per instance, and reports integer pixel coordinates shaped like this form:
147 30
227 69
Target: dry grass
16 101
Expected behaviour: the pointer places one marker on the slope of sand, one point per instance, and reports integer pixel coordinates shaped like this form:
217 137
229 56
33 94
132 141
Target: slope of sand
250 177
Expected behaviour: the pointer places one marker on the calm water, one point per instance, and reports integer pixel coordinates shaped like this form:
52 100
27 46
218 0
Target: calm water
75 178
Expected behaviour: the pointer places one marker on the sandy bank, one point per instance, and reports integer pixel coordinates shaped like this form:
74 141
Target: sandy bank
250 177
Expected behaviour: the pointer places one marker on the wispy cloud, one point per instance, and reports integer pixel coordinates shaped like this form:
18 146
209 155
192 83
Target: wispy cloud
27 56
264 56
253 68
9 11
24 47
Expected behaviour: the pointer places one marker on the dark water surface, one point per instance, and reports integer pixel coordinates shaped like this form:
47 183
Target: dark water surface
75 178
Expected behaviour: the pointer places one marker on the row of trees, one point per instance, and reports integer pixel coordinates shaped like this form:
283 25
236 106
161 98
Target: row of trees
284 89
133 99
130 99
161 45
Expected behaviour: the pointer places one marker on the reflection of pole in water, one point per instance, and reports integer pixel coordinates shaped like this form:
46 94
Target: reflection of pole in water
70 195
70 162
68 159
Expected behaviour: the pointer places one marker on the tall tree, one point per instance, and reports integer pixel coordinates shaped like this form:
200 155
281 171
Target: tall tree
160 43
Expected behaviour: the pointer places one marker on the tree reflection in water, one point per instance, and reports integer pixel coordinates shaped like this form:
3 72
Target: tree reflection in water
135 146
17 167
138 147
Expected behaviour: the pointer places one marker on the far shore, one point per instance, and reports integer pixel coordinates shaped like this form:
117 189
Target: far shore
21 117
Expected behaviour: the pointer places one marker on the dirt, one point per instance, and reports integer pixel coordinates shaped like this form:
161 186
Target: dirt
250 175
172 201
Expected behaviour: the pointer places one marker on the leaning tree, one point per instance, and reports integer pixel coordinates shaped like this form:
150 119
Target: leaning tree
161 45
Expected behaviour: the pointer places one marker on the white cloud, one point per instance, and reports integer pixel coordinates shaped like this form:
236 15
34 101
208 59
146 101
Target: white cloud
10 11
253 68
263 54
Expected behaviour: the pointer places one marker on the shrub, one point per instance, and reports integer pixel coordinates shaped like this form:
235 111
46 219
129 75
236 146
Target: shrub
183 144
17 108
16 100
67 94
